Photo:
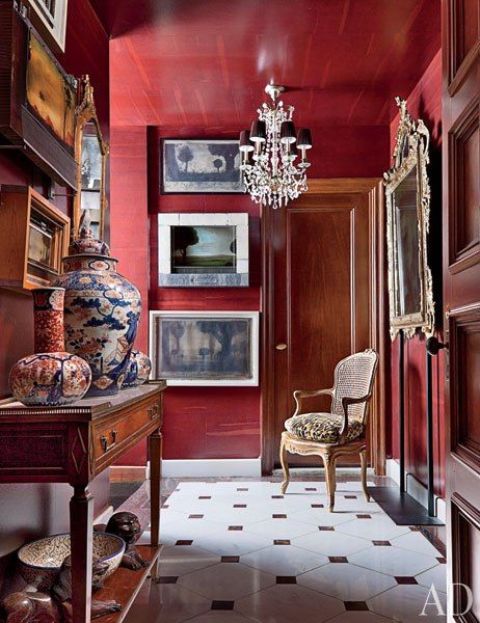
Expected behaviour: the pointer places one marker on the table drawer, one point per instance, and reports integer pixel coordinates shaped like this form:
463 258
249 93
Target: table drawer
118 434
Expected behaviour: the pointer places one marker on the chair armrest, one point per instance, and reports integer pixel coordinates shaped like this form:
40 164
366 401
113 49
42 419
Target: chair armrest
299 394
346 402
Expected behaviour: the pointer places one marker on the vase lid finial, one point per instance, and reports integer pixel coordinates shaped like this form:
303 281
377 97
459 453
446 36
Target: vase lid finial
86 241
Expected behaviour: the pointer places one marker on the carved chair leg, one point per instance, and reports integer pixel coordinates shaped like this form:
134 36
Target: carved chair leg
363 463
329 463
284 464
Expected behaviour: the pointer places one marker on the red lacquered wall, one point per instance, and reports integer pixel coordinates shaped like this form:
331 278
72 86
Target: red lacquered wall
424 102
29 511
209 422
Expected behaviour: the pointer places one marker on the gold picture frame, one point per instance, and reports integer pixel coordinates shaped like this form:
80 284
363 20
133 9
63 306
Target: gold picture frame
407 193
91 153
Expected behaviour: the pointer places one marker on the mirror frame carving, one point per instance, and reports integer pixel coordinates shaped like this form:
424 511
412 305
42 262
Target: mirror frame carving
411 150
87 113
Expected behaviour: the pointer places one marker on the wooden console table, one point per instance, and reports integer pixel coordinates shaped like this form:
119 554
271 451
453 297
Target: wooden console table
73 444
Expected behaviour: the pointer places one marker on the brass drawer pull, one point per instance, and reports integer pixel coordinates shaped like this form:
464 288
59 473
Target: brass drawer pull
153 412
104 441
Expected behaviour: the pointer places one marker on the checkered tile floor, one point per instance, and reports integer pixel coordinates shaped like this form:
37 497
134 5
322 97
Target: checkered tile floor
237 552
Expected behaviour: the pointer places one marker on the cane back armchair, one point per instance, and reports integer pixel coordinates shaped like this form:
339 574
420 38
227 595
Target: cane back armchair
341 431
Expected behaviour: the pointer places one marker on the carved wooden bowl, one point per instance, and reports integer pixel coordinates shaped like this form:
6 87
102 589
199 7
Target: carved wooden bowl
40 561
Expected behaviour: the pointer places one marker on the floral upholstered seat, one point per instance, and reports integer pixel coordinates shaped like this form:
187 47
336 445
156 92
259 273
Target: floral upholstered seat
323 427
339 432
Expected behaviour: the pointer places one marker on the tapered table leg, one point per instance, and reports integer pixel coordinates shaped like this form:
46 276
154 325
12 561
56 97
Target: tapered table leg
81 531
155 452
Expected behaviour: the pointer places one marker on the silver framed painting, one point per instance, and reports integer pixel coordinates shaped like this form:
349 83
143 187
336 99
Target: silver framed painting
203 250
201 166
205 348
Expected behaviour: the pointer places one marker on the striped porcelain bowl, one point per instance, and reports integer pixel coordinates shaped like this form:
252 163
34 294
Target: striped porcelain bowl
40 561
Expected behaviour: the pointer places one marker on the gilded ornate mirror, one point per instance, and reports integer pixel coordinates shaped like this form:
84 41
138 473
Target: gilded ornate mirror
408 206
91 154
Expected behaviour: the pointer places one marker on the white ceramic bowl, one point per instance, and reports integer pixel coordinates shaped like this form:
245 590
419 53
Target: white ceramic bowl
40 561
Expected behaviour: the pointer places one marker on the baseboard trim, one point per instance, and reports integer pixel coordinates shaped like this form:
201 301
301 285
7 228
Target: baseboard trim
211 468
416 489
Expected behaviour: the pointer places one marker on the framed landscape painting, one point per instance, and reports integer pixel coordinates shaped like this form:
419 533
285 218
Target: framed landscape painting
203 249
204 348
201 166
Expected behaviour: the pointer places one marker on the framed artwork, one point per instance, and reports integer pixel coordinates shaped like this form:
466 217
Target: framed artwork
39 98
203 250
204 348
201 166
50 17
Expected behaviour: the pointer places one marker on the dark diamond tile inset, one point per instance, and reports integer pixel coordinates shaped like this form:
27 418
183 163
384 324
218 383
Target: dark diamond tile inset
184 542
326 528
165 506
281 541
277 497
382 543
442 560
355 605
350 497
364 516
338 559
317 505
239 506
195 516
279 516
310 488
222 605
235 528
242 488
286 579
230 559
168 579
415 528
405 579
204 497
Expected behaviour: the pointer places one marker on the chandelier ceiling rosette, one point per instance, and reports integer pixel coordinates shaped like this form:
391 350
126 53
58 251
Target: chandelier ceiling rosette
269 151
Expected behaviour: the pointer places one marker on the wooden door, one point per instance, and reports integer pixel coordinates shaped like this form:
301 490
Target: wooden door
461 275
320 296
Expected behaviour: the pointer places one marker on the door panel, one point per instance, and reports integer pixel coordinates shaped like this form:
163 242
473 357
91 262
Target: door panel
321 296
461 281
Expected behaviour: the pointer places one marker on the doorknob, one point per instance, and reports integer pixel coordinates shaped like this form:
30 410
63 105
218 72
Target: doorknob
281 346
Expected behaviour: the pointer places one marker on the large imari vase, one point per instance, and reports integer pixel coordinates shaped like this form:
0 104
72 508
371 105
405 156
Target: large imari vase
102 310
51 377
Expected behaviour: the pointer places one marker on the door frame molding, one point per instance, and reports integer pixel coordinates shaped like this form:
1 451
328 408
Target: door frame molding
378 325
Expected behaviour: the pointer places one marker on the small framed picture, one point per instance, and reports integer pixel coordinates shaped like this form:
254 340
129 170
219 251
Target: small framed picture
201 166
203 250
50 18
205 348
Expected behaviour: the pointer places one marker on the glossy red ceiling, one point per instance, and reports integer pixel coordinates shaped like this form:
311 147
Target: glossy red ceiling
204 63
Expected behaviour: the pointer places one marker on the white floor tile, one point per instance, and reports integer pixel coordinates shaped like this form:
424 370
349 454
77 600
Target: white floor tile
322 517
416 542
284 560
393 561
332 543
406 603
166 603
437 576
281 528
346 582
178 560
379 528
226 581
284 603
227 543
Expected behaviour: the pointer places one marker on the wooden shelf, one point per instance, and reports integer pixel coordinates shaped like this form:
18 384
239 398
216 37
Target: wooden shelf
124 585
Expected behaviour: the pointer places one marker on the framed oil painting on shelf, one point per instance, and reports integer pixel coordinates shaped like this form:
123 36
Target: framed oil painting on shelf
203 250
200 166
205 348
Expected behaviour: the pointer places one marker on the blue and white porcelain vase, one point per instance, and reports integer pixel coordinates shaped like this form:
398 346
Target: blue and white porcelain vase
102 310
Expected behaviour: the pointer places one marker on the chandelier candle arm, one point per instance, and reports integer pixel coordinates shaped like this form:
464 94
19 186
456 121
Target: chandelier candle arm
271 176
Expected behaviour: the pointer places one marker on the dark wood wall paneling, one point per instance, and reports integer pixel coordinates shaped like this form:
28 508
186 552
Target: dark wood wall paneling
423 102
27 511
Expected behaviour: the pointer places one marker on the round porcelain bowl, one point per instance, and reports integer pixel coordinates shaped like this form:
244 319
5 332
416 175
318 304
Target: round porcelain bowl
40 561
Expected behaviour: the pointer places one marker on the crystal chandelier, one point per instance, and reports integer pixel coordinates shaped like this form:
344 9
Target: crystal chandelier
268 150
